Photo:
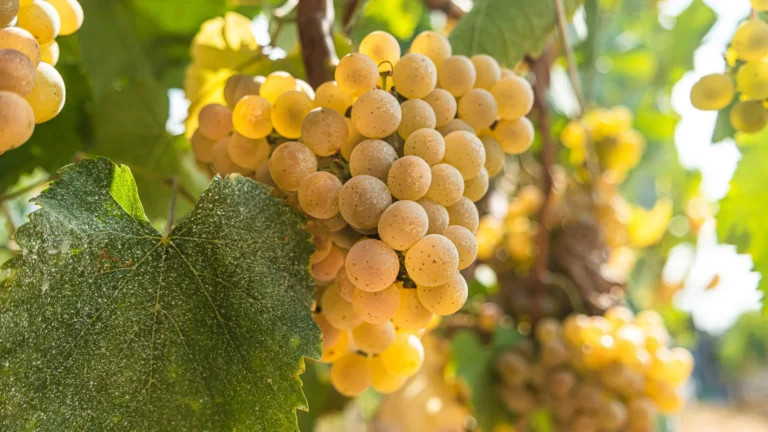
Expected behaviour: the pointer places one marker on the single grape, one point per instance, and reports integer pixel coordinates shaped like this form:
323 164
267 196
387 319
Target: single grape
344 285
514 96
445 299
711 92
465 243
749 116
239 86
290 163
613 416
329 95
17 72
426 144
456 125
49 53
752 80
750 42
416 114
376 114
488 71
41 20
337 350
465 152
202 147
415 76
403 224
518 401
346 237
8 11
642 412
322 241
288 113
464 213
275 84
248 153
374 338
475 188
373 158
263 176
411 315
252 117
409 178
381 47
222 163
478 108
48 95
376 307
432 261
333 224
17 121
515 136
319 194
560 383
362 200
433 45
351 374
444 105
372 265
330 333
457 75
71 15
215 121
513 368
494 155
356 74
20 40
338 311
447 185
355 138
324 131
437 214
381 380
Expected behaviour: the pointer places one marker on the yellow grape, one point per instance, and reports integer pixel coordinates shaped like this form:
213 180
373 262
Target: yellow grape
239 86
642 412
518 401
433 45
17 121
444 105
488 71
288 113
426 144
711 92
252 117
437 214
275 84
494 155
432 261
304 87
376 307
17 72
464 213
8 11
263 176
515 136
362 200
48 95
750 42
749 116
447 185
416 114
405 356
202 147
20 40
457 75
381 380
574 135
345 287
338 349
573 328
381 47
372 265
71 15
376 114
514 96
246 152
411 315
403 224
456 125
513 368
330 333
759 5
374 338
338 311
319 194
445 299
373 158
478 108
476 187
329 95
222 163
215 121
548 330
619 316
465 242
752 80
355 138
351 374
49 53
465 152
290 163
324 131
327 269
415 76
356 74
323 245
41 19
409 178
680 366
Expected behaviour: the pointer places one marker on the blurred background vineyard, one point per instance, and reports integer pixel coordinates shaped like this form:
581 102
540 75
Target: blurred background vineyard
696 191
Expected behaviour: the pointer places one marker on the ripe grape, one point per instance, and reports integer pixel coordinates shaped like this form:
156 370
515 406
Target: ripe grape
71 15
381 47
374 338
416 114
41 20
478 108
456 125
759 5
465 152
426 144
560 383
444 106
49 53
415 76
447 185
330 333
245 152
222 163
494 155
319 194
514 96
403 224
513 368
338 311
338 349
290 163
239 86
344 285
322 241
445 299
642 412
333 224
432 261
355 138
376 307
476 187
433 45
20 40
613 416
750 42
252 117
749 116
376 114
711 92
488 71
288 113
48 95
465 242
304 87
17 72
381 380
263 176
215 121
457 75
371 265
275 84
518 401
351 374
324 131
584 423
202 147
411 315
329 95
464 213
437 214
362 200
373 158
515 136
752 80
356 74
409 178
17 121
8 11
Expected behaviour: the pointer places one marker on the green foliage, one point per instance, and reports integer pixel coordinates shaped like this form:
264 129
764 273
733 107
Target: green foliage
402 18
109 325
745 346
180 17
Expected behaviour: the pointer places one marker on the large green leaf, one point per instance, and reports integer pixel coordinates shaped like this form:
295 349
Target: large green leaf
107 325
180 16
506 29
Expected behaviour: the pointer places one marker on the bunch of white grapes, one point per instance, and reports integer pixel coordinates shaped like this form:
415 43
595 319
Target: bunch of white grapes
597 374
386 162
31 90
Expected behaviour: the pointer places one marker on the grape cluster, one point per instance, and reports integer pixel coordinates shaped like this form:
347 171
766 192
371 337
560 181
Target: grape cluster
597 373
386 162
745 81
31 90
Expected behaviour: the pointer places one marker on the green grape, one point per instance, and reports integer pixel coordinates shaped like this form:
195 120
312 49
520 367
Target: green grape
288 113
488 71
49 53
17 121
372 158
456 125
48 95
752 80
339 312
478 108
247 153
494 155
252 117
713 92
409 178
215 121
17 72
416 114
319 194
381 47
513 368
374 338
275 84
329 95
457 75
351 374
437 214
465 152
464 213
324 131
445 299
433 45
750 42
444 105
376 114
465 242
514 96
371 265
749 116
330 333
447 185
222 163
356 74
20 40
403 224
475 188
290 163
70 14
381 380
415 76
8 11
202 147
411 315
515 136
432 261
376 307
345 287
41 20
239 86
426 144
362 200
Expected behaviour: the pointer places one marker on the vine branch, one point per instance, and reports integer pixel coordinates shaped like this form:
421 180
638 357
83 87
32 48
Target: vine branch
348 19
315 19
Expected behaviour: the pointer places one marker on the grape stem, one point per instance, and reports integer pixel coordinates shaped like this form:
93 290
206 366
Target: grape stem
171 207
315 22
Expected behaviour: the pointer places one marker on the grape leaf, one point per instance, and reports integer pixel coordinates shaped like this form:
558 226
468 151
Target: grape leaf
110 326
506 29
180 17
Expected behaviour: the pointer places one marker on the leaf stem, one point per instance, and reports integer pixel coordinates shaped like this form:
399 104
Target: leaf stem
171 207
168 181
